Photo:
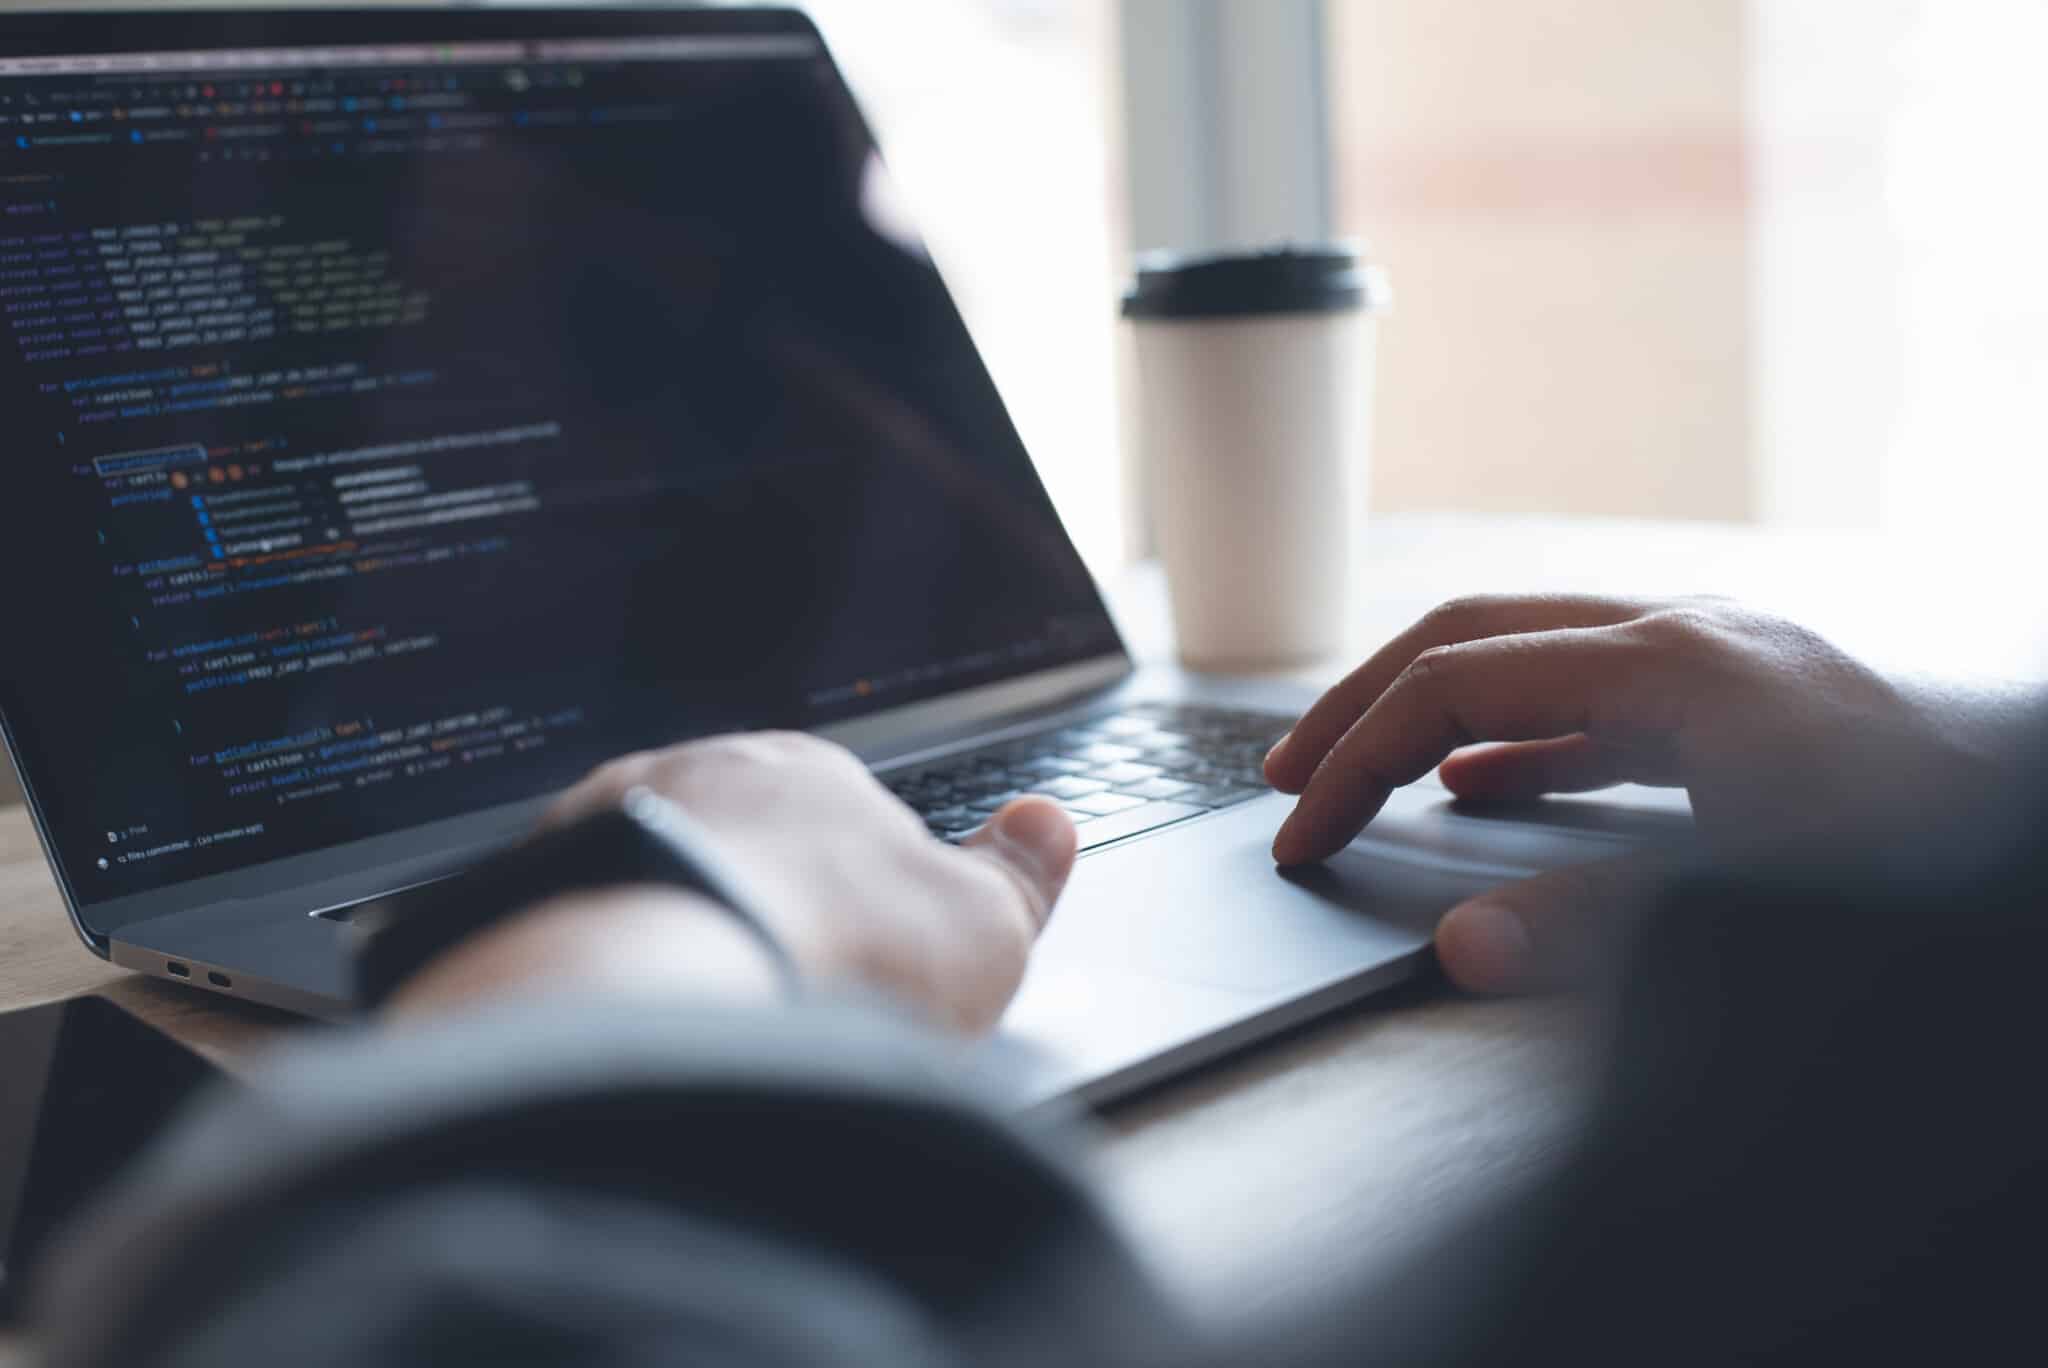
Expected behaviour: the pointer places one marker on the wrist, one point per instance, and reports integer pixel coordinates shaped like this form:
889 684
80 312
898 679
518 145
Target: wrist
640 853
635 939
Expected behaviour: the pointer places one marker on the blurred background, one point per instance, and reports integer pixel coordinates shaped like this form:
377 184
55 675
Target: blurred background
1749 260
1763 261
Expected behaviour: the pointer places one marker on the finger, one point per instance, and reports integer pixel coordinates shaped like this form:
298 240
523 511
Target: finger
1521 770
1032 840
1292 762
603 787
1602 681
1553 931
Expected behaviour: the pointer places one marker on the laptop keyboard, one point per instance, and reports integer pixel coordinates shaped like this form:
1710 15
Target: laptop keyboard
1133 771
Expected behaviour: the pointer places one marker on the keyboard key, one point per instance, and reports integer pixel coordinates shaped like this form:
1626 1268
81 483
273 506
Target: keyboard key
1070 787
1147 817
1049 765
1103 804
1153 764
1158 788
1125 773
1103 753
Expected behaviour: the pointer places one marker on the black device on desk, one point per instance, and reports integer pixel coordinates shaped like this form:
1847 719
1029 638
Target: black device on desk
84 1087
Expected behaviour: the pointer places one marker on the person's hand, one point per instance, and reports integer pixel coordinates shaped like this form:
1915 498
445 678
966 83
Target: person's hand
847 877
1780 739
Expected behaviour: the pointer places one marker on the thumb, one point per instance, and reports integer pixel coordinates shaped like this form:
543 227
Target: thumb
1033 840
1553 931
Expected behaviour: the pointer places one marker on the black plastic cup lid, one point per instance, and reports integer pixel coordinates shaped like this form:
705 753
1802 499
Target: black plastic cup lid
1281 280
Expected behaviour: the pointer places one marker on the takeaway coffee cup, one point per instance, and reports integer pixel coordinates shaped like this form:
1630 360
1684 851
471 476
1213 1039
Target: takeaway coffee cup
1255 379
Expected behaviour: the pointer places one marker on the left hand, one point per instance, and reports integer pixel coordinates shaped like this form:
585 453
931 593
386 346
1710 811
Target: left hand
847 878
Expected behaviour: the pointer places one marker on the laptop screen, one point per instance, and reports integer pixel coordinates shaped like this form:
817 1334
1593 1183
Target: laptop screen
395 429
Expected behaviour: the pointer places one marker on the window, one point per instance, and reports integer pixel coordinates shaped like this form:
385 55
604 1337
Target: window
1902 363
1750 259
1558 193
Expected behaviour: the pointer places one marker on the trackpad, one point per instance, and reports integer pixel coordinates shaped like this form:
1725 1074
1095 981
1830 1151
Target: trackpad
1203 904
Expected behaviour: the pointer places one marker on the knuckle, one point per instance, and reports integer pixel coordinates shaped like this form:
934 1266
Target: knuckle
1792 640
1004 885
914 860
792 742
1685 627
615 776
743 747
802 748
1721 618
990 880
1453 615
763 749
1432 664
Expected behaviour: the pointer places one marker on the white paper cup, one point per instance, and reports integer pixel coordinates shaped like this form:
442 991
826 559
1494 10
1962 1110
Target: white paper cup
1255 377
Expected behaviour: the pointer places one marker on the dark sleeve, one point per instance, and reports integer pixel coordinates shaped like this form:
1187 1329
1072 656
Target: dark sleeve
1822 1135
604 1185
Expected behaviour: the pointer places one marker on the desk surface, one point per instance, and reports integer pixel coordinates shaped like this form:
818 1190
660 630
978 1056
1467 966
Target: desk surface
1270 1177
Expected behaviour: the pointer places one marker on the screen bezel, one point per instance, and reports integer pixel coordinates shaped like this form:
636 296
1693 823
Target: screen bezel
365 868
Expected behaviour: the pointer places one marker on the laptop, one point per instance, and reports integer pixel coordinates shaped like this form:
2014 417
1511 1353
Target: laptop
412 409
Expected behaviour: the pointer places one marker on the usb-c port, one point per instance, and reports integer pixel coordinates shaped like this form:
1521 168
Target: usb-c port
177 970
218 979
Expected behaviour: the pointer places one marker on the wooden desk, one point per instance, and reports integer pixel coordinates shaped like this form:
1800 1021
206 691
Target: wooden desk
1273 1176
